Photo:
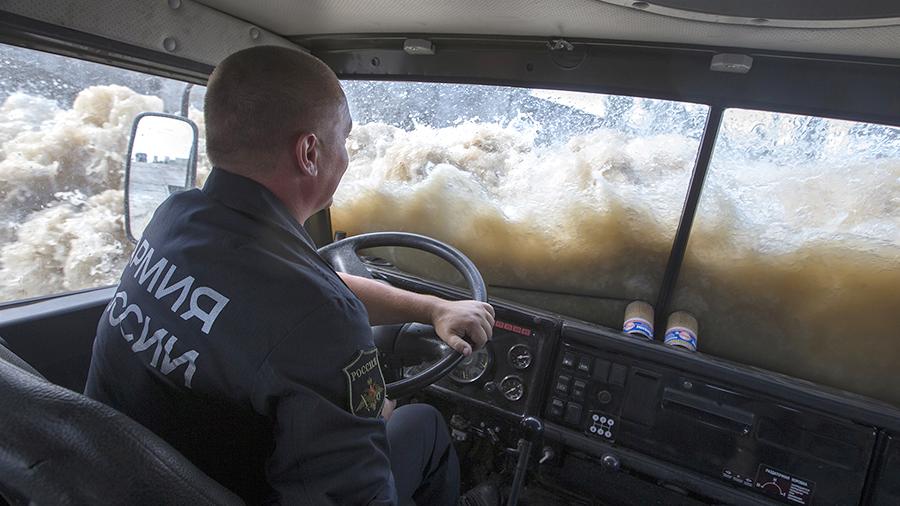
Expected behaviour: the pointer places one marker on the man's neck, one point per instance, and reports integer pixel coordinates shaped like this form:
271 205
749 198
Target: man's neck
288 190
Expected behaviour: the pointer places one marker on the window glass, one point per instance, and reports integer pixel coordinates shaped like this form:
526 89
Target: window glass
64 127
565 192
793 260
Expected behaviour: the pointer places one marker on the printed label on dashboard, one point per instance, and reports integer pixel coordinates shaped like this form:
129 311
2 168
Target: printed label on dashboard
602 425
783 486
738 478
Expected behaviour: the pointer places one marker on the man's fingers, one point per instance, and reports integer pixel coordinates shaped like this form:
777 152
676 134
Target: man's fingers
478 336
490 314
458 344
487 327
467 325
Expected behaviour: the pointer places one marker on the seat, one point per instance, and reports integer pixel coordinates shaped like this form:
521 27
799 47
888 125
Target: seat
60 447
7 355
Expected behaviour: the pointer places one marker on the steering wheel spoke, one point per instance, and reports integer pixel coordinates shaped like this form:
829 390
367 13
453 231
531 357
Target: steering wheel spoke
345 258
419 340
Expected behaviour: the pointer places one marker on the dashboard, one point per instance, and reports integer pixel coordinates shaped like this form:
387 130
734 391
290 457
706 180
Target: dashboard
508 373
656 425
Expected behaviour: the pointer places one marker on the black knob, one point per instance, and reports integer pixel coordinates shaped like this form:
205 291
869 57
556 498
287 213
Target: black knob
532 429
610 462
604 396
490 387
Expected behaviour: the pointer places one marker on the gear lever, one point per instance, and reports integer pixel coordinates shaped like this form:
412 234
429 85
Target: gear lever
532 430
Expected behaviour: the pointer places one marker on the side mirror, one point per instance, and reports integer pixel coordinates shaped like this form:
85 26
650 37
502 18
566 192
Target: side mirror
162 160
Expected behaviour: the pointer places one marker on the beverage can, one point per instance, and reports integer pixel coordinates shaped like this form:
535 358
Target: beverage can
681 331
639 320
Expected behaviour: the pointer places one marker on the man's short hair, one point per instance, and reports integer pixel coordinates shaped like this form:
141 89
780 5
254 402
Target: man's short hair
259 99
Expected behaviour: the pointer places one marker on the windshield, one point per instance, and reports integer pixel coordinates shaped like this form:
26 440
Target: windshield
570 201
794 260
551 193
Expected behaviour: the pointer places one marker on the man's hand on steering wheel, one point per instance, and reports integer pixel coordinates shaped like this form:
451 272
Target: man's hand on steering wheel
452 323
457 322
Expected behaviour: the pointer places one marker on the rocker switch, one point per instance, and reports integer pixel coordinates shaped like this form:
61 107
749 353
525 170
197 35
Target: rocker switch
562 384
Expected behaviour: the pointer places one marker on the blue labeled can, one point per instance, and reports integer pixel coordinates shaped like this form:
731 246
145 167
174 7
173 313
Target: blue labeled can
639 320
681 331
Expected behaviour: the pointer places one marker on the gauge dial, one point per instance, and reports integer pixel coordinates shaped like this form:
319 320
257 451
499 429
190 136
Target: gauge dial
473 367
520 356
512 387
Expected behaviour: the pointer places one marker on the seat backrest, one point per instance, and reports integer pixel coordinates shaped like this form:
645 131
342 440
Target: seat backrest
60 447
7 355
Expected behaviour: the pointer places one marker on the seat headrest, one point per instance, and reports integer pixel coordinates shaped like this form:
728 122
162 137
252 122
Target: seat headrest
60 447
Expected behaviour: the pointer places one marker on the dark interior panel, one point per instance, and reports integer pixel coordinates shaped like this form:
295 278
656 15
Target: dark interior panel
782 451
55 335
887 484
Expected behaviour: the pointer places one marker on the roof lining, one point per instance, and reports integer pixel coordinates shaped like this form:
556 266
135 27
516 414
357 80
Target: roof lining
572 19
797 84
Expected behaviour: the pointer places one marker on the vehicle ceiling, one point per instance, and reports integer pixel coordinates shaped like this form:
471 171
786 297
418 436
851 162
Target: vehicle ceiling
803 26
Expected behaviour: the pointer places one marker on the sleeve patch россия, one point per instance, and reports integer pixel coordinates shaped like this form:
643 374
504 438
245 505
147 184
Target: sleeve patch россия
365 384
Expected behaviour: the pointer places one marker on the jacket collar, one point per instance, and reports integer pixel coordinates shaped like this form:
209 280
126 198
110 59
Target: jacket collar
249 197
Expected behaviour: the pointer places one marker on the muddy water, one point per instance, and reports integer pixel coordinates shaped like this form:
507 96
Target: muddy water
61 203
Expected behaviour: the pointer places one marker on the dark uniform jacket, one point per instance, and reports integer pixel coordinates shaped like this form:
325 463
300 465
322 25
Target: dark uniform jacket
234 341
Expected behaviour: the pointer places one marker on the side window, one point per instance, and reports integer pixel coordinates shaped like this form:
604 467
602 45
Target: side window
64 127
793 259
567 201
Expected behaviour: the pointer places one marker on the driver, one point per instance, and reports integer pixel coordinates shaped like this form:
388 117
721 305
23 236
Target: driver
229 336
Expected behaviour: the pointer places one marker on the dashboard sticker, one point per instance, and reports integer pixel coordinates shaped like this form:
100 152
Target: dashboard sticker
781 485
601 425
736 477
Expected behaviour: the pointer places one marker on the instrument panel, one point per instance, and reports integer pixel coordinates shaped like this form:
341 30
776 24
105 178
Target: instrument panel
508 372
790 455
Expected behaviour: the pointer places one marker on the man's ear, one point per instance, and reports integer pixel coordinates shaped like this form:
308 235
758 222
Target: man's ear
306 152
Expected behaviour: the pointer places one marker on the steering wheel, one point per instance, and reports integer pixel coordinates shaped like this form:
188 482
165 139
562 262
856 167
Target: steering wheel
343 255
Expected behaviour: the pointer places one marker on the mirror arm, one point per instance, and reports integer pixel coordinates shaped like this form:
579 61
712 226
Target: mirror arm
186 99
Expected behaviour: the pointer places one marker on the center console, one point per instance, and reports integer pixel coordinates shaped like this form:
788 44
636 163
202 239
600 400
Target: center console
748 443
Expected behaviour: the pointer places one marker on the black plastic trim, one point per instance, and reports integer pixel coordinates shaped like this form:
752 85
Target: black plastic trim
33 34
686 221
875 475
55 305
843 87
668 473
839 403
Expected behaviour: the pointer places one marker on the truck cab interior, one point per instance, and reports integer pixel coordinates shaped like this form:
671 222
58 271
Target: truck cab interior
735 162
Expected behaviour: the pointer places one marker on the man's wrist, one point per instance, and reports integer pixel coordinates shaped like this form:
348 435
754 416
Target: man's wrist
430 308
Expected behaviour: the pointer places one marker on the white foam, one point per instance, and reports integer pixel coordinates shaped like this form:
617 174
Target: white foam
62 225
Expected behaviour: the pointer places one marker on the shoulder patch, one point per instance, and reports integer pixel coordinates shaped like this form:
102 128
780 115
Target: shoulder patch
365 384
